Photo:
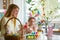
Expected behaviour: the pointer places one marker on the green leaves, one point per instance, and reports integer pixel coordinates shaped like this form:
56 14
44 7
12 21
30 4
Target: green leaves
28 1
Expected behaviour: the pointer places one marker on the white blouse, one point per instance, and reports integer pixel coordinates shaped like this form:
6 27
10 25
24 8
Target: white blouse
10 26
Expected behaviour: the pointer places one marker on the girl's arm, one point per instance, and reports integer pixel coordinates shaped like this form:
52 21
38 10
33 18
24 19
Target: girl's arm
35 28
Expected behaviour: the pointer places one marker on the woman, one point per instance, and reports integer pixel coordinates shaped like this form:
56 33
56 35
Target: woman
12 11
31 25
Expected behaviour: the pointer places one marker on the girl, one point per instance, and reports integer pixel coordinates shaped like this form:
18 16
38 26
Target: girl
31 25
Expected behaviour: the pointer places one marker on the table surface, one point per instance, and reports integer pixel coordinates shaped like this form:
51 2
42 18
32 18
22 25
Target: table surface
54 37
44 37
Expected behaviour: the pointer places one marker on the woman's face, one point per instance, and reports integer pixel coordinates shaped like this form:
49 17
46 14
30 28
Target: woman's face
15 12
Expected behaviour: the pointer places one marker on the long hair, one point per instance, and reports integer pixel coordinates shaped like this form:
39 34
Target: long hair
9 10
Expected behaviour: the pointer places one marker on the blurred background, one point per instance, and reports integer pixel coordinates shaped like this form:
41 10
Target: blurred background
46 12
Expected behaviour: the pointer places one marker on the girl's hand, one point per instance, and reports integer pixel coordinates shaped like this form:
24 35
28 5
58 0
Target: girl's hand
29 31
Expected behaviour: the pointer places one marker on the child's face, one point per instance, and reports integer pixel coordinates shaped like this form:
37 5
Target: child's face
32 21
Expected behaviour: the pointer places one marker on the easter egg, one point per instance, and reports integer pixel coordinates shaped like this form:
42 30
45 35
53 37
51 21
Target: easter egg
36 32
33 32
36 36
32 37
29 37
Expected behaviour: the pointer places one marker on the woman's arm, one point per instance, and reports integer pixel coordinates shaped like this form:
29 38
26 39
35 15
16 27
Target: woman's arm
3 22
